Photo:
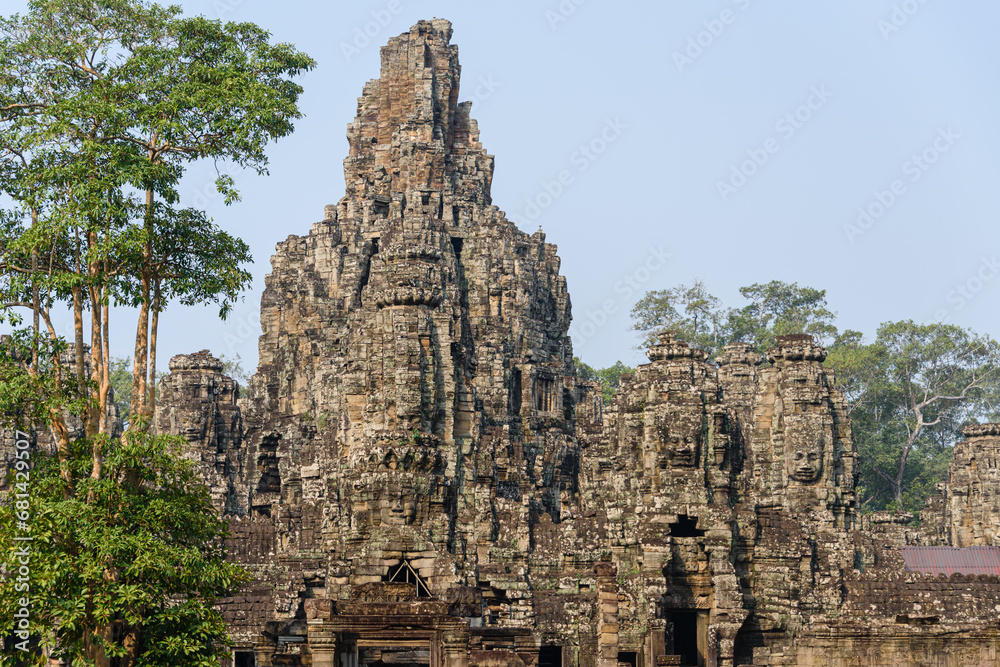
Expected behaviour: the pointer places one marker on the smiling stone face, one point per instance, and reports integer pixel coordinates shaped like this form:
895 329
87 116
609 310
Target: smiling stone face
683 450
680 446
805 462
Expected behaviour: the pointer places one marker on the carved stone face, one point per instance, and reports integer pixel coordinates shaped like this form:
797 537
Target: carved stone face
682 449
805 462
398 506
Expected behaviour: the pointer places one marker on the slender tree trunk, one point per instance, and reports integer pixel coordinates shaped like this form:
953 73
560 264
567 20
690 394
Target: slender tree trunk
152 347
99 358
78 318
140 366
96 425
105 352
92 416
58 420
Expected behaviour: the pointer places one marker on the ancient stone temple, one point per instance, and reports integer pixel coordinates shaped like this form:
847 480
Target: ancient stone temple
415 476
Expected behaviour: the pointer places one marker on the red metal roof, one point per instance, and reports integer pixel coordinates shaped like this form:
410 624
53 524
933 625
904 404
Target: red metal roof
949 560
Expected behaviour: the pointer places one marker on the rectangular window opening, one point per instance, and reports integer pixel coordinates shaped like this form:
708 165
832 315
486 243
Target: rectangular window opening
543 394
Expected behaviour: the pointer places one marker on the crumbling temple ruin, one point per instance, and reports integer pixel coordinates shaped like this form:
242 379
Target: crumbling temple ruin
415 476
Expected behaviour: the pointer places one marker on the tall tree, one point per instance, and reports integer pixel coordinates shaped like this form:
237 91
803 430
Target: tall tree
689 310
775 308
919 384
778 308
103 104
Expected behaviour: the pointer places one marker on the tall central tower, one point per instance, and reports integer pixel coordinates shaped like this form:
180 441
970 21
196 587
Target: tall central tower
413 408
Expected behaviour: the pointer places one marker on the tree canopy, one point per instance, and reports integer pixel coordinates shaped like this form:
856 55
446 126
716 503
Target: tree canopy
103 106
699 318
910 392
127 569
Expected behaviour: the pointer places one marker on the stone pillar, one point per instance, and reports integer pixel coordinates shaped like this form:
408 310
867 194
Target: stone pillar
455 649
263 652
322 646
607 623
656 641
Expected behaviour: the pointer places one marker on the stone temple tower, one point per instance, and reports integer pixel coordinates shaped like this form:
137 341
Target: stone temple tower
415 395
415 476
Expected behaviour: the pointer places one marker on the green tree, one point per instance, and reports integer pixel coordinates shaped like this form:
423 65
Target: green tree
910 392
610 377
103 104
234 369
689 310
776 309
121 383
144 544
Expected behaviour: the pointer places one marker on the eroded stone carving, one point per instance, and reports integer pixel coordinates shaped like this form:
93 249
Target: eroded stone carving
805 461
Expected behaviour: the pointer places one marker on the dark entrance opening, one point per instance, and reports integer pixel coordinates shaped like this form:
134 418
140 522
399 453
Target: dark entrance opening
457 244
686 638
550 656
686 527
627 658
244 659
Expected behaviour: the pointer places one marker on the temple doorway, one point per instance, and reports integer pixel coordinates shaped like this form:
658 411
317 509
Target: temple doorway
690 635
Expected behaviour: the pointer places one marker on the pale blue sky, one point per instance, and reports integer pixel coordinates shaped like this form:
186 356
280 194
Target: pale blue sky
676 119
